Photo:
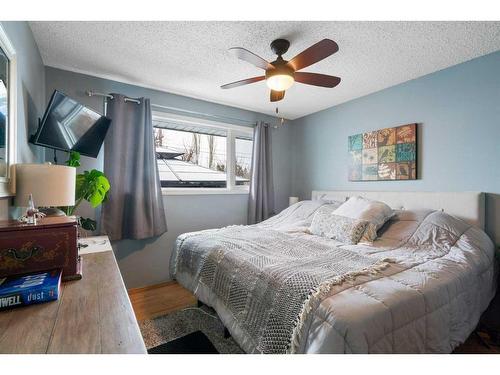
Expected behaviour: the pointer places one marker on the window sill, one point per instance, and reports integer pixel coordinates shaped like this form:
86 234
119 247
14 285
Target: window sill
202 191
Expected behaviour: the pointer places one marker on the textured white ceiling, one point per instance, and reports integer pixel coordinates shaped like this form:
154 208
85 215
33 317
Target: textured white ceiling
191 58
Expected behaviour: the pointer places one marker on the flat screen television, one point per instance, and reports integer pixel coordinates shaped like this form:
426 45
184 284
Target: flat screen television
70 126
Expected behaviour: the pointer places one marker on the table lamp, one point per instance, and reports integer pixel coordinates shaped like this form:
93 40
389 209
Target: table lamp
48 186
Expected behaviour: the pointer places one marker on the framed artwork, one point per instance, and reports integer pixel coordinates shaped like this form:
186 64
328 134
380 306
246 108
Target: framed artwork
384 155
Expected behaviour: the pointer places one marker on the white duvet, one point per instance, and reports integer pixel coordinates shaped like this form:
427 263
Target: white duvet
428 301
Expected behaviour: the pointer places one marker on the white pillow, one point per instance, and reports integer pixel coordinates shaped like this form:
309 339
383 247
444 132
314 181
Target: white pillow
375 212
340 228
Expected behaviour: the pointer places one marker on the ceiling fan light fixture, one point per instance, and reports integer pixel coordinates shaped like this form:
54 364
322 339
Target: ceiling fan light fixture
281 77
280 82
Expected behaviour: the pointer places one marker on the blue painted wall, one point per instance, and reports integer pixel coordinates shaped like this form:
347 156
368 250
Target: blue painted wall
147 262
458 110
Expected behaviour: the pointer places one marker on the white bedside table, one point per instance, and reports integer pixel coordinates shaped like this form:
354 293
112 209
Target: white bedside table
95 244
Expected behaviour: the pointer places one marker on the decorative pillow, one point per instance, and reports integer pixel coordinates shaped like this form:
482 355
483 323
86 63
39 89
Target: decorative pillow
330 206
340 228
376 213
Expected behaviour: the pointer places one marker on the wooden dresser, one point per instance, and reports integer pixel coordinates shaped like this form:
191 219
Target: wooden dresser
92 315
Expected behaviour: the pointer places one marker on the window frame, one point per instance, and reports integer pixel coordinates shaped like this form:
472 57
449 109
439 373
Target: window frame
7 183
232 132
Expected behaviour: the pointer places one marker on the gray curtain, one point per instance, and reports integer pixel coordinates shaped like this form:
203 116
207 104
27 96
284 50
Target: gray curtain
261 197
135 206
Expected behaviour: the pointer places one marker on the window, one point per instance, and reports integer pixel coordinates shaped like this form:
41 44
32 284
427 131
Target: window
243 160
190 159
195 153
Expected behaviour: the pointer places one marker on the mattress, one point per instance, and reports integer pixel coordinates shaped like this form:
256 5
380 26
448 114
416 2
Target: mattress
427 300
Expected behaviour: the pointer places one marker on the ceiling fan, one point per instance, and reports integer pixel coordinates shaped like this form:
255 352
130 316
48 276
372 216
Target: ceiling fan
281 74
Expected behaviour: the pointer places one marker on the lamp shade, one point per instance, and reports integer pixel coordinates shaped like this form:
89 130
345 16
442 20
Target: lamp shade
50 185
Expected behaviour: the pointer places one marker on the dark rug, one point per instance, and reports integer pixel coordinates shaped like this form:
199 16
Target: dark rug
182 323
194 343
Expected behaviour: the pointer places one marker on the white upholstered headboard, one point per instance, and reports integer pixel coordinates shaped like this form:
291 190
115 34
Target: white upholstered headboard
468 206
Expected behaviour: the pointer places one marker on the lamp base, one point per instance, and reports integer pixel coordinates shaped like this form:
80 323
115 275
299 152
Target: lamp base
51 211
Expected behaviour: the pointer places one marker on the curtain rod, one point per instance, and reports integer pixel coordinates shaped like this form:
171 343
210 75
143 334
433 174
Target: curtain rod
94 93
185 111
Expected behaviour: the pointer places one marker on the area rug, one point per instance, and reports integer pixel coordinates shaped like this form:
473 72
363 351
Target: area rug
179 324
194 343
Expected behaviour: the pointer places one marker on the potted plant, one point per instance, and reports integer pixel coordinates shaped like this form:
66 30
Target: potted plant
91 186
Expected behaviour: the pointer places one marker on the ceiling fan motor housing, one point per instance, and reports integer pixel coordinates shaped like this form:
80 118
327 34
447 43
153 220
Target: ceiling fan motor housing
280 68
280 46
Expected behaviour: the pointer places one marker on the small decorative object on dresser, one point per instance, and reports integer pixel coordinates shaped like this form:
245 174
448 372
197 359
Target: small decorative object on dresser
94 244
50 244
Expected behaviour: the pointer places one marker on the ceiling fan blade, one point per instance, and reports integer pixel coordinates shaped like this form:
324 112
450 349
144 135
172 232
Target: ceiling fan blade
252 58
242 82
313 54
316 79
276 96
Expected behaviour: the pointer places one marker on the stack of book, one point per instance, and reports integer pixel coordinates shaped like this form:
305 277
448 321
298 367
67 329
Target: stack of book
29 289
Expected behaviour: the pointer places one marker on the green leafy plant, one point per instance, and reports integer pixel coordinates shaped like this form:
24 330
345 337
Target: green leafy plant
91 186
74 159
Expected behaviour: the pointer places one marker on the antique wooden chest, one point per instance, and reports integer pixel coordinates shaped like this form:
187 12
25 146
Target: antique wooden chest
51 243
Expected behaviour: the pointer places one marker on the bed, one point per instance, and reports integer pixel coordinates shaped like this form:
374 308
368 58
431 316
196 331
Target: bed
419 288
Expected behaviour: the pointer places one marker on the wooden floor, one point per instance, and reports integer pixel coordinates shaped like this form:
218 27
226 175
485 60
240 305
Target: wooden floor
157 300
153 301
